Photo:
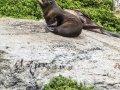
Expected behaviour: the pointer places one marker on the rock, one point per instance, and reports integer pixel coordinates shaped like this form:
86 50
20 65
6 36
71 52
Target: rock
117 4
29 57
111 81
116 86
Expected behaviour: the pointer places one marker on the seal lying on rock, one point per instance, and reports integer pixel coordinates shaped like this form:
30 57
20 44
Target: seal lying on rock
68 23
59 21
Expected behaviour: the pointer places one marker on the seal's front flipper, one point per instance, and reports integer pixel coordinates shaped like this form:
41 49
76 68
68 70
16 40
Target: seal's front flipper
49 29
54 24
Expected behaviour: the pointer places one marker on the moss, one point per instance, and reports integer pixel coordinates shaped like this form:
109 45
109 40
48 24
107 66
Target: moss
63 83
20 9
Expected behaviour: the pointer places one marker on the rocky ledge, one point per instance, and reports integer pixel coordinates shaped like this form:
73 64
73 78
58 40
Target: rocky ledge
29 57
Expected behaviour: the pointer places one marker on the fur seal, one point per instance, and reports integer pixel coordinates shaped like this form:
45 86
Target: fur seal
68 23
59 21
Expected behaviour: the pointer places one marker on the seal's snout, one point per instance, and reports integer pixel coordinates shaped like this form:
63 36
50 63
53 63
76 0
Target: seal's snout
40 1
44 1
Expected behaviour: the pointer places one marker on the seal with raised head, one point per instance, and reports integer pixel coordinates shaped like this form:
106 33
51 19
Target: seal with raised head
68 23
59 21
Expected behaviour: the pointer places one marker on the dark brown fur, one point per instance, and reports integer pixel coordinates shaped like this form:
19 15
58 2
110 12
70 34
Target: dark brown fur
68 23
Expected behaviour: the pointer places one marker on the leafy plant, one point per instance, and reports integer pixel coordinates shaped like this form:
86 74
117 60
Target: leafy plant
63 83
20 9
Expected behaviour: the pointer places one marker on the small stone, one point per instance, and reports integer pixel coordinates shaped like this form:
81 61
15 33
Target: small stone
116 87
111 81
101 87
10 81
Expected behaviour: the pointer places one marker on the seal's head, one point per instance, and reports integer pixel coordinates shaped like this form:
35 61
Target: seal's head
45 3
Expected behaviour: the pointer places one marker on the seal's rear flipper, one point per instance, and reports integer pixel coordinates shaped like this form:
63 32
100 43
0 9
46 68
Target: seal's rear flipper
93 28
111 34
90 25
49 29
98 29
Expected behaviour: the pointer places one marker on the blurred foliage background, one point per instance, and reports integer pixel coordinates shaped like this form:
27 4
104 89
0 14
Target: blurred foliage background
101 11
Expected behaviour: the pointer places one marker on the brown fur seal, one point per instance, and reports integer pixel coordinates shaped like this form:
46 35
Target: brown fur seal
59 21
68 23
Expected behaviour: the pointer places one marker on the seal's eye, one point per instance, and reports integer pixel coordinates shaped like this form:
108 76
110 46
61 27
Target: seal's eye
50 2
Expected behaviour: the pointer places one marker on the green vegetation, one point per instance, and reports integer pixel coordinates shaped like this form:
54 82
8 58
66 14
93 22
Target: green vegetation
20 9
63 83
98 10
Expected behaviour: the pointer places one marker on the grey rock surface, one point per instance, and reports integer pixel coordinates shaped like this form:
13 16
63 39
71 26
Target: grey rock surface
117 4
29 57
